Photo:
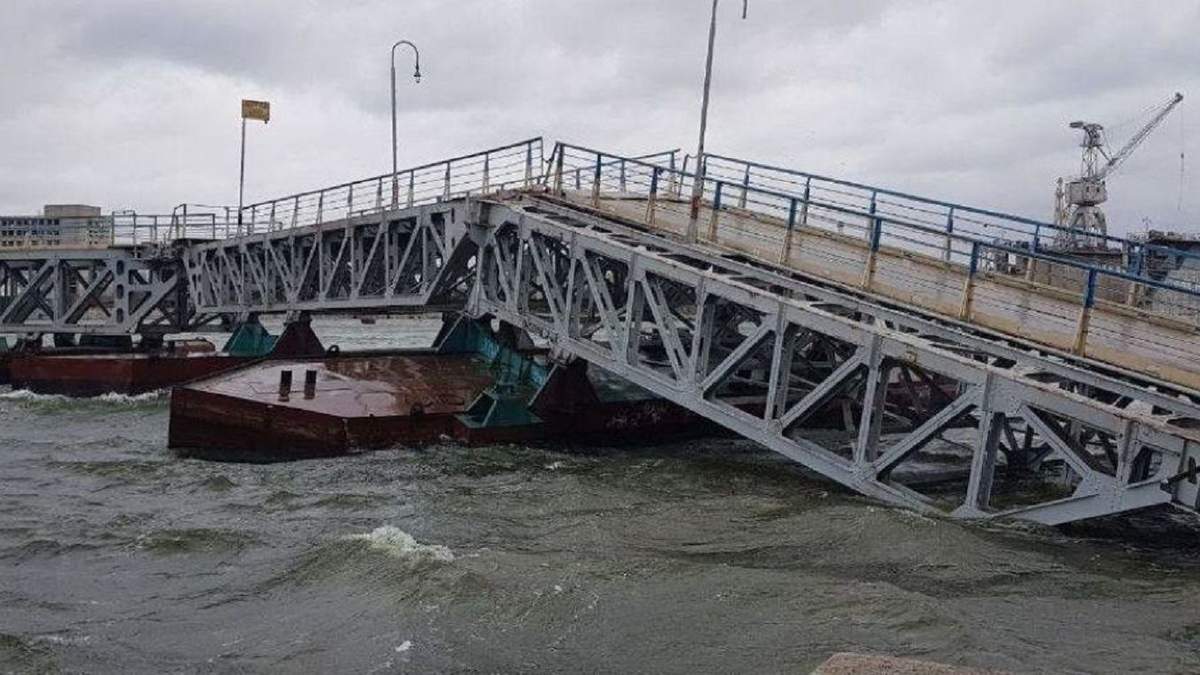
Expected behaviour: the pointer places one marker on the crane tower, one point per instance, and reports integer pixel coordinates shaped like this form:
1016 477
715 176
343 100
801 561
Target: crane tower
1077 204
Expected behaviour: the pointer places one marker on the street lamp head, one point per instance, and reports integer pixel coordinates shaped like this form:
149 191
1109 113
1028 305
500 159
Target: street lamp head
417 74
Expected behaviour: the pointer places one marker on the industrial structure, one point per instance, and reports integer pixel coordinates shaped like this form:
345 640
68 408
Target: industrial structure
864 333
1077 202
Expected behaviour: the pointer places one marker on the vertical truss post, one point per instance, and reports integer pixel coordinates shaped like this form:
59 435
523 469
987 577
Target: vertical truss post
716 212
866 447
983 465
786 252
781 368
1085 313
968 294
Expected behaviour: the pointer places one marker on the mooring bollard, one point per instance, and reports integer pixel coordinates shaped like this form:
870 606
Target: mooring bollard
285 384
310 383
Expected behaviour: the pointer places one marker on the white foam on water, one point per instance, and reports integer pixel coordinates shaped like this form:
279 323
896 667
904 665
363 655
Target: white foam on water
116 399
404 646
396 542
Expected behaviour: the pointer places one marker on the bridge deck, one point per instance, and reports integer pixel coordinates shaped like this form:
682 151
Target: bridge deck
1112 331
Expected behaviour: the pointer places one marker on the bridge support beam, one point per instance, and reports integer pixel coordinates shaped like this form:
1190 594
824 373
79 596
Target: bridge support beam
807 373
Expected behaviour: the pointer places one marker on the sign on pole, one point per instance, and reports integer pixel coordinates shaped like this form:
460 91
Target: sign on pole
251 110
256 110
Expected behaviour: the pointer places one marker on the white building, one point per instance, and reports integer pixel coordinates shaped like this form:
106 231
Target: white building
59 226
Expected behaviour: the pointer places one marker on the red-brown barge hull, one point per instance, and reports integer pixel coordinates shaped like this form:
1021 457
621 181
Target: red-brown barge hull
363 402
96 374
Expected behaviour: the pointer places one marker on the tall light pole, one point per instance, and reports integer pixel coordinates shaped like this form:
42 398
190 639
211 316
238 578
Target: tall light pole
698 181
417 77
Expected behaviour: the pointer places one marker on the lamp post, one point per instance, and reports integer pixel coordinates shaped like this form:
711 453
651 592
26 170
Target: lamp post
417 77
698 181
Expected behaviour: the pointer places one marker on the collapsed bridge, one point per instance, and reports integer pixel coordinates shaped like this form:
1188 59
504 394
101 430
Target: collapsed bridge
1066 383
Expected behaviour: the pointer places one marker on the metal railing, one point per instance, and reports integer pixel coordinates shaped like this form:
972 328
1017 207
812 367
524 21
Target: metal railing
1137 258
510 166
963 239
186 221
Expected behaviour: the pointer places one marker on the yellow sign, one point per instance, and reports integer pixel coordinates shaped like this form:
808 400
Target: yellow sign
256 110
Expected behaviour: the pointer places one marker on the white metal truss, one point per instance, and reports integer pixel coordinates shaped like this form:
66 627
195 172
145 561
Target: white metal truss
818 374
97 291
412 257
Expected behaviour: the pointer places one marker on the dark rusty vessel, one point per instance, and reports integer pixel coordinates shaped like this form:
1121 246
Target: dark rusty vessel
343 403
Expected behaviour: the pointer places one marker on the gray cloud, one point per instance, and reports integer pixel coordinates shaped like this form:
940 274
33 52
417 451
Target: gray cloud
134 103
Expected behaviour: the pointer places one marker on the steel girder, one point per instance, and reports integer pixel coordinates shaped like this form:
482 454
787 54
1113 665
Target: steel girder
815 373
102 291
408 258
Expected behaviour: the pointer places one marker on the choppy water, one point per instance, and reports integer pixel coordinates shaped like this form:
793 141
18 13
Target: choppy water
705 556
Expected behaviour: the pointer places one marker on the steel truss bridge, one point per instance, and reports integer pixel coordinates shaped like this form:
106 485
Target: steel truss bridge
874 337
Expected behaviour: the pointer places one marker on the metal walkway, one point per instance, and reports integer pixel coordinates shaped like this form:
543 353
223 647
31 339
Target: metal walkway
808 314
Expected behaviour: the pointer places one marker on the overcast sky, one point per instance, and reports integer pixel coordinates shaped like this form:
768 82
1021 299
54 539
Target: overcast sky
132 104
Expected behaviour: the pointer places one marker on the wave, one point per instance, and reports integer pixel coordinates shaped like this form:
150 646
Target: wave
26 396
400 544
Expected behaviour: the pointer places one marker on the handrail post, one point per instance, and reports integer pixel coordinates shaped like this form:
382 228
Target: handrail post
804 207
446 192
745 188
650 201
1085 313
411 187
253 217
672 181
787 235
1031 270
596 183
712 223
379 193
296 212
558 169
968 294
949 235
871 216
321 207
349 200
876 234
1137 260
271 225
528 163
486 168
622 181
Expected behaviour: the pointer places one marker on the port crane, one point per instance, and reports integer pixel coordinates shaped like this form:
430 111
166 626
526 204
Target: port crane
1077 203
